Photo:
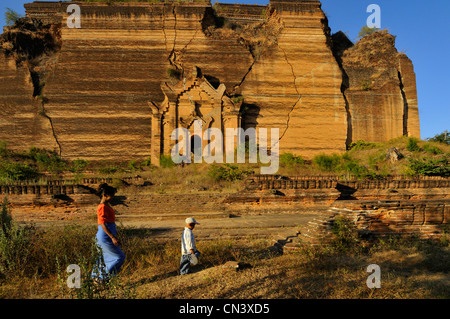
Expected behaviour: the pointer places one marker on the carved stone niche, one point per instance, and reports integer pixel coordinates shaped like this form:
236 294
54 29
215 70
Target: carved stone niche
192 98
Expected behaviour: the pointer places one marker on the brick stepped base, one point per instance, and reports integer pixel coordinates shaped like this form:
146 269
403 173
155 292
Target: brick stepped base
216 205
169 204
378 208
420 218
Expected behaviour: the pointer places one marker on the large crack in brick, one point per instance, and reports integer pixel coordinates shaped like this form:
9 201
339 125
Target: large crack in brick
296 89
36 46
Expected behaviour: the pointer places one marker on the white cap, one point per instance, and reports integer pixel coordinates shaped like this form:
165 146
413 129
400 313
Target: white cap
191 220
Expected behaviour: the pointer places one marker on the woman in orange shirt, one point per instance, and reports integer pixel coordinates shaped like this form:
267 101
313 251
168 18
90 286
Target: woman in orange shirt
113 256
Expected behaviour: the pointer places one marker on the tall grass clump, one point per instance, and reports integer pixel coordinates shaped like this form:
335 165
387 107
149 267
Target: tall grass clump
91 268
26 252
15 244
346 234
413 145
166 161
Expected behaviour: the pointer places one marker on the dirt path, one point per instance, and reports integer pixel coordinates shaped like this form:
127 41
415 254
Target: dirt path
258 226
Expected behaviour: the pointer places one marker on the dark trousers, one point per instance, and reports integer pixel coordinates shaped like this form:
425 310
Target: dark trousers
185 263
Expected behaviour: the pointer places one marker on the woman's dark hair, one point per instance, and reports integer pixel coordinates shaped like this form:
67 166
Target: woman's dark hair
105 189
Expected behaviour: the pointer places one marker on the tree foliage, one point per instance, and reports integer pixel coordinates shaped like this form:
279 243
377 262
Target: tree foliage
441 138
11 16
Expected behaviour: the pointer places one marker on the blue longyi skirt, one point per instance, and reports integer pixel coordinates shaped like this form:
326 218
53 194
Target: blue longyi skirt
113 256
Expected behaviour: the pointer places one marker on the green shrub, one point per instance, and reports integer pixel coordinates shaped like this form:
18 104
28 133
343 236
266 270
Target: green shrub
227 172
67 244
432 149
365 30
11 171
344 165
366 85
346 156
327 162
78 165
166 161
5 217
133 165
237 99
90 260
147 161
412 145
47 160
290 160
361 145
217 253
110 170
354 168
346 234
3 149
117 183
429 167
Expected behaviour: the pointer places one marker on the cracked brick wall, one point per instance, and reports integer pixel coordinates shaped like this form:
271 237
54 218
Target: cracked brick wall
97 91
425 219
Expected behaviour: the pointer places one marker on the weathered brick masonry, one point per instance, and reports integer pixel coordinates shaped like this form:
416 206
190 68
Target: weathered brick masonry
405 218
396 206
403 207
127 75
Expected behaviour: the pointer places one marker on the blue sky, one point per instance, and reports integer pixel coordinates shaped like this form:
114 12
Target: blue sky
422 29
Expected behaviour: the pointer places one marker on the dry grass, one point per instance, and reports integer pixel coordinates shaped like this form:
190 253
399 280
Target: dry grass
297 275
409 269
190 178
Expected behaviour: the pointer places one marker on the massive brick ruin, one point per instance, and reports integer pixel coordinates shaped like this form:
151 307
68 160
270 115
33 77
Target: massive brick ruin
117 87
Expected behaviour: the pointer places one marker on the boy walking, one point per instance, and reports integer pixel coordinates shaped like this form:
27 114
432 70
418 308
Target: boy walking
189 253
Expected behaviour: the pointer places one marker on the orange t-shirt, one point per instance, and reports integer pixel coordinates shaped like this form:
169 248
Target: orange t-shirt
105 214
